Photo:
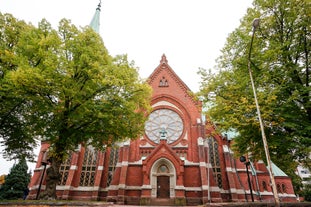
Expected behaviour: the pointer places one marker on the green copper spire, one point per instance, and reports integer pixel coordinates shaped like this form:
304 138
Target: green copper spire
95 20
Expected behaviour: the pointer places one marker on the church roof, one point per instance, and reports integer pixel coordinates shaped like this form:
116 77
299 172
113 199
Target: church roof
95 20
277 171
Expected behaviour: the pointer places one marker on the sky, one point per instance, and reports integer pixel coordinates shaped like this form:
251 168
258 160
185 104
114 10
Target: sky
190 33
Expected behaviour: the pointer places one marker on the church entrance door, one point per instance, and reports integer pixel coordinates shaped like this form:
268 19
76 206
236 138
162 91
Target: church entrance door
163 186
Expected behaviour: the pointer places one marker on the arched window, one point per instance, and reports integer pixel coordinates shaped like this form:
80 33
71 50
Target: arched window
113 159
87 177
214 160
278 187
264 186
64 170
163 82
284 189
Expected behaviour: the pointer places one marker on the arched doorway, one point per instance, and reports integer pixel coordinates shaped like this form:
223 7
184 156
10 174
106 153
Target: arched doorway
163 179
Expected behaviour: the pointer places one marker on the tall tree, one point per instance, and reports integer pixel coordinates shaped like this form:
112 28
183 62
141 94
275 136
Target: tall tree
16 182
281 70
74 92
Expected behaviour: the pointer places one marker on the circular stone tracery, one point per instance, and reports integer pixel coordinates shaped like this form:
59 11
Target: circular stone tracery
164 120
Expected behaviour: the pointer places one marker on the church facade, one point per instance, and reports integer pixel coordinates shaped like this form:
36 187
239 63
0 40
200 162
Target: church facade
180 160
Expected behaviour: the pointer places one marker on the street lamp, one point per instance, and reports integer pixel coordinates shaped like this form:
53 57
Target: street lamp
44 162
243 159
264 139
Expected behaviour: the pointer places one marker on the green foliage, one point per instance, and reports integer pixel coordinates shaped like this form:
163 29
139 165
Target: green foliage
16 136
16 182
72 91
306 193
280 64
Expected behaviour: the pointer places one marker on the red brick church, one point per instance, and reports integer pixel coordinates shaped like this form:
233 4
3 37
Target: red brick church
180 159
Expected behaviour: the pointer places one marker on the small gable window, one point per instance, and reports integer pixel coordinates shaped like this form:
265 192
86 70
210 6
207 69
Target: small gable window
163 82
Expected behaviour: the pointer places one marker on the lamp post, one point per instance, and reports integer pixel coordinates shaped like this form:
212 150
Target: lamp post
42 175
243 159
264 139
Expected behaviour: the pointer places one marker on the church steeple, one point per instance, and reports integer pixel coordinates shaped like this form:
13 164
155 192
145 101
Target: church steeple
95 20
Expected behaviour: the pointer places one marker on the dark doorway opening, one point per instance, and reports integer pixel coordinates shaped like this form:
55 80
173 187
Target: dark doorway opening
163 187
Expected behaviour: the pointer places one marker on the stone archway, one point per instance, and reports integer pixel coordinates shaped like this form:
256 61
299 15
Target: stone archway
163 179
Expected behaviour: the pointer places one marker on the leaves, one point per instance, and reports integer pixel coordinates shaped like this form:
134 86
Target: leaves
280 67
16 182
71 90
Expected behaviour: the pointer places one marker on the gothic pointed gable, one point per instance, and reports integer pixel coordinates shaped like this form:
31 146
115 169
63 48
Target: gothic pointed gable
164 80
163 151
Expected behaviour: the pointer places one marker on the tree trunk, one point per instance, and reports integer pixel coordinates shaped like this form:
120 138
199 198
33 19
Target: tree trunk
52 178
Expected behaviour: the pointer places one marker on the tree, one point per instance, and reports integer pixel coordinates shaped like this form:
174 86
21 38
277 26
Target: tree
306 193
74 92
16 182
281 70
15 135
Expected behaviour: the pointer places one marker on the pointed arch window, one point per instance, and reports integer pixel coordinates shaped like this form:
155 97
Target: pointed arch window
284 189
87 177
113 159
278 187
214 160
64 170
264 186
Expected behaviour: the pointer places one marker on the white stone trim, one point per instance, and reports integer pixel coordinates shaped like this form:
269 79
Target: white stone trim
63 187
133 187
127 143
154 174
189 163
166 103
193 188
139 162
205 187
200 141
230 169
100 167
202 164
179 187
73 167
225 148
113 187
123 163
146 187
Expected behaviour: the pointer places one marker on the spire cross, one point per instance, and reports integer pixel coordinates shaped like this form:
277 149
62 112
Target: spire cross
99 5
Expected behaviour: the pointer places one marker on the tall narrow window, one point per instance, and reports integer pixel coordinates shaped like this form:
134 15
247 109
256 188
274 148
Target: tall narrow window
278 188
284 189
87 177
215 161
264 186
64 170
113 159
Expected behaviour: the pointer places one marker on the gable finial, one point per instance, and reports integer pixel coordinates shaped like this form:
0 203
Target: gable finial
163 59
99 5
95 20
